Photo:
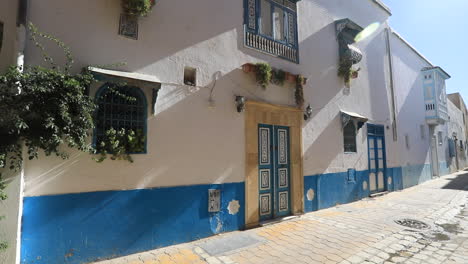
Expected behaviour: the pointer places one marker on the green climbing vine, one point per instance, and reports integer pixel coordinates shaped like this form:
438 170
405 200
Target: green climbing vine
299 91
46 108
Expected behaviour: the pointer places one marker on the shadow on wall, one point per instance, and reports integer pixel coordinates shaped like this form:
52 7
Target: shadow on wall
458 182
81 227
322 152
323 91
380 103
159 36
415 169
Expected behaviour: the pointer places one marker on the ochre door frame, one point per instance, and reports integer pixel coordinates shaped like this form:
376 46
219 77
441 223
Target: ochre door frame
263 113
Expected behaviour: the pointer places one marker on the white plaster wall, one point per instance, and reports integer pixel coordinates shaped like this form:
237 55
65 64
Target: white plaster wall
189 143
410 103
368 95
8 12
9 209
456 125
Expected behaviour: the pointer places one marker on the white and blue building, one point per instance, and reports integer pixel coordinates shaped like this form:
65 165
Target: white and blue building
221 152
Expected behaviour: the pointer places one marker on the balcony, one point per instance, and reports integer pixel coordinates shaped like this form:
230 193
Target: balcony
435 97
270 46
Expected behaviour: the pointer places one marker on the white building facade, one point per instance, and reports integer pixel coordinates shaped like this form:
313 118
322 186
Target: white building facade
213 134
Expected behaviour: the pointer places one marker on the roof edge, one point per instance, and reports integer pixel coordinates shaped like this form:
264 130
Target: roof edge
438 68
383 6
411 47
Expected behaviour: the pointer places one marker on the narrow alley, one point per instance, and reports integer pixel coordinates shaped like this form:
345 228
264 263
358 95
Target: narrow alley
433 228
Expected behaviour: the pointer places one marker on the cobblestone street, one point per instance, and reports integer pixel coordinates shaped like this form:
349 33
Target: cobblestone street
361 232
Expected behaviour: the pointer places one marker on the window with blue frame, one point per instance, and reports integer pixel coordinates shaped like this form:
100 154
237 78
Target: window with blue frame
271 27
349 138
120 107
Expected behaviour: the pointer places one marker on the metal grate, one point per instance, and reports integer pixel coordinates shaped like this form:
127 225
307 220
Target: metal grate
115 111
412 223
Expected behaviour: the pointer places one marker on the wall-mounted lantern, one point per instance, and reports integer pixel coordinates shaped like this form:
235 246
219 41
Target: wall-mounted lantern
307 112
240 103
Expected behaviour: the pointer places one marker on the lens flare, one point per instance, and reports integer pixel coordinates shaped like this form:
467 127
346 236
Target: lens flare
369 30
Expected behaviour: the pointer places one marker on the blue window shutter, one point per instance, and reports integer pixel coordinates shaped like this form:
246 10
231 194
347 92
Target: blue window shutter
451 148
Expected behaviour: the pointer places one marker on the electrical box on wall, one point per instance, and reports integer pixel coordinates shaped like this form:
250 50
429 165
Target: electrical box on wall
214 200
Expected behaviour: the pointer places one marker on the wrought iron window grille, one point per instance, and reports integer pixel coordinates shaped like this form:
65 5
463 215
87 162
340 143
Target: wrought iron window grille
282 41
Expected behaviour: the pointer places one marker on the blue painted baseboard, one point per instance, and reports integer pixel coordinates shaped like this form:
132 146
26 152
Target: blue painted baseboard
331 189
416 174
444 168
79 228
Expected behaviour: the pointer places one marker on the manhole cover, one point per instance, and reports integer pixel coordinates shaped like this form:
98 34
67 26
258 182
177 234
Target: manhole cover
411 223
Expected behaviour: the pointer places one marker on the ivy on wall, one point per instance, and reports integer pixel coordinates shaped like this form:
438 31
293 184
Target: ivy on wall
46 108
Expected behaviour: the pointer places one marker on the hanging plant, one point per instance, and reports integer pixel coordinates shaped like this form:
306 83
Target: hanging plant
263 73
120 144
299 92
346 71
137 7
278 77
355 73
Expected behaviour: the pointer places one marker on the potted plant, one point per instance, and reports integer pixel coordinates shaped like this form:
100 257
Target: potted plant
278 77
263 74
290 77
137 7
355 73
248 67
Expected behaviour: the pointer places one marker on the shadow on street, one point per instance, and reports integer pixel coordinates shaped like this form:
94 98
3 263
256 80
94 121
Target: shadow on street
459 182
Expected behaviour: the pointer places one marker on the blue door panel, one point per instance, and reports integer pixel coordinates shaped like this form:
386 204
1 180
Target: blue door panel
376 158
274 171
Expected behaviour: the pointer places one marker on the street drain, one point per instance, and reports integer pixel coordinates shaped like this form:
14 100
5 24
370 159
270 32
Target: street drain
411 223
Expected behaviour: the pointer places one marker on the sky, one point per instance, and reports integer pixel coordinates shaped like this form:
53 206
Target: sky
439 31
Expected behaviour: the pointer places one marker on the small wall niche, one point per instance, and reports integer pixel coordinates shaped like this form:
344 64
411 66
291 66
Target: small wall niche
128 26
190 76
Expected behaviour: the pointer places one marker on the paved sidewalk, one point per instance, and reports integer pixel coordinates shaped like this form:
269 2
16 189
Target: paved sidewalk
361 232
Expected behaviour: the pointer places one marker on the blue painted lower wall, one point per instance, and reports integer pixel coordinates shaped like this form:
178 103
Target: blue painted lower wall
416 174
331 189
444 168
78 228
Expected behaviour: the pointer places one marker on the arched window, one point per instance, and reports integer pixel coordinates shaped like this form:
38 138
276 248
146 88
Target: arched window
349 135
120 107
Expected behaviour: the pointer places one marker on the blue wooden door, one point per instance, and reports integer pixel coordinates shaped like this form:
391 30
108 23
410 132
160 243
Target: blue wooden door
377 158
274 171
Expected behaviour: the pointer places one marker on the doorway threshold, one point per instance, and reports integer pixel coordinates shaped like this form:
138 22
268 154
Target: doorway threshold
278 220
378 194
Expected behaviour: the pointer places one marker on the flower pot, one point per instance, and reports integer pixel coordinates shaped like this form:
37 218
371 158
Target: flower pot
290 77
248 67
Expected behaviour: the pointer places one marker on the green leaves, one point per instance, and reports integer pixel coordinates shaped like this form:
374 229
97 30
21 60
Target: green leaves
50 110
120 144
299 92
42 108
263 73
137 7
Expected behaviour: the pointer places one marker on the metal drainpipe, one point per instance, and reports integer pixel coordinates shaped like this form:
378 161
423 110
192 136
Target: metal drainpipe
20 47
21 32
392 89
